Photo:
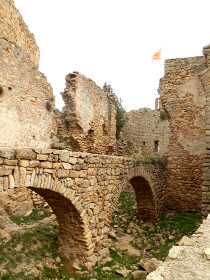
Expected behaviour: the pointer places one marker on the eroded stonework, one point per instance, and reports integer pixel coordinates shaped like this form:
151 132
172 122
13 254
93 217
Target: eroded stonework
26 98
183 99
83 190
14 30
88 122
147 132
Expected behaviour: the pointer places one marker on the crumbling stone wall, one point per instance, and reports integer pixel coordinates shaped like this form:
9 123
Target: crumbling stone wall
14 30
205 78
26 101
183 99
83 190
26 98
88 122
147 131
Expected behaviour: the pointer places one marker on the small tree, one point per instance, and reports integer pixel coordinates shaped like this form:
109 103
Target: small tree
120 110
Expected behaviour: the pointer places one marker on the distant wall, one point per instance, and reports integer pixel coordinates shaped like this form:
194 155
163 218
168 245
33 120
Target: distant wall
88 116
147 131
183 99
13 29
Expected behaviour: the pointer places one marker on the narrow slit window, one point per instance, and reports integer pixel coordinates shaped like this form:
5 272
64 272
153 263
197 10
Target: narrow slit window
144 143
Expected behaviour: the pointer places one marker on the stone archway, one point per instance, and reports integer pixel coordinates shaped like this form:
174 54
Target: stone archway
74 239
146 204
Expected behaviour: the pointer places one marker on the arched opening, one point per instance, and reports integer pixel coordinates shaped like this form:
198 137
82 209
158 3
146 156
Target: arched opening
73 241
146 204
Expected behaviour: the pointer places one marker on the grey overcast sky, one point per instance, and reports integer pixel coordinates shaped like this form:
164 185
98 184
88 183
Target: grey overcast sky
114 40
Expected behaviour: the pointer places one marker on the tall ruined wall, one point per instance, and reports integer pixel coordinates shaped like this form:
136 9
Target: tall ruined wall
205 78
183 99
147 131
13 29
88 116
26 98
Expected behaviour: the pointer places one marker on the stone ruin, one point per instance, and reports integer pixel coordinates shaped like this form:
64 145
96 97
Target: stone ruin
146 132
87 124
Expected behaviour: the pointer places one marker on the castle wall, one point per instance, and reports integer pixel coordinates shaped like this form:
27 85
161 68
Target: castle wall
183 99
26 101
147 131
26 98
13 29
89 115
205 78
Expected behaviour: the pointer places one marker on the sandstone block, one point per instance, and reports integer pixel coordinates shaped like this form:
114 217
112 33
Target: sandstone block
42 157
79 181
73 174
62 173
56 165
25 154
11 182
64 156
9 154
46 164
34 163
73 160
66 165
6 170
23 163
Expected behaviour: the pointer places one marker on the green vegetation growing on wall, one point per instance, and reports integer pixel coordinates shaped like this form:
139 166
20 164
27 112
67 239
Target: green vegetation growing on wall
163 115
120 110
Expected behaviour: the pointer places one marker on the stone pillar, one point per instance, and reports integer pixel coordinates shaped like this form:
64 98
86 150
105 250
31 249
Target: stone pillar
205 78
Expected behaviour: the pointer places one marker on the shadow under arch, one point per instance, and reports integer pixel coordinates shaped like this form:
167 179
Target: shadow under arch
73 243
146 204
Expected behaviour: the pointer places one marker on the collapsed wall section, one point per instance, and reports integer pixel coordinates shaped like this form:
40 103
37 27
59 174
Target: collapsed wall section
148 130
183 99
88 116
13 29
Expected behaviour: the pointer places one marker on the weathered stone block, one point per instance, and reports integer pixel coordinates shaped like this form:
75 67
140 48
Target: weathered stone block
6 170
25 154
6 153
23 163
46 164
42 157
64 156
62 173
66 165
34 163
73 160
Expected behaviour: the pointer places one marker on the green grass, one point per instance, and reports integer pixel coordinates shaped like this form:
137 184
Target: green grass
38 245
37 215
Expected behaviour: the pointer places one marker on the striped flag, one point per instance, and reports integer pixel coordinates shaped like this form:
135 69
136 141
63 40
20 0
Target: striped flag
156 56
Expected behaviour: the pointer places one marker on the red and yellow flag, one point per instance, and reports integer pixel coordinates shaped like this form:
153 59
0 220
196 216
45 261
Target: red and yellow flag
156 56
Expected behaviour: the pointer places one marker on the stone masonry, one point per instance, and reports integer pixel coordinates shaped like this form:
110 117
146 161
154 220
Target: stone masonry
26 98
205 78
183 99
14 30
88 119
148 133
83 190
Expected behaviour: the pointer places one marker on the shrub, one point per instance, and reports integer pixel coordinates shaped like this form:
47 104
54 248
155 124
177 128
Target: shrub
121 117
163 115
